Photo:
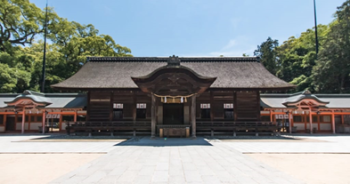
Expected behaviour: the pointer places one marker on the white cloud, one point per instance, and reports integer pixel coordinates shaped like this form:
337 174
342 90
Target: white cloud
230 44
235 22
236 47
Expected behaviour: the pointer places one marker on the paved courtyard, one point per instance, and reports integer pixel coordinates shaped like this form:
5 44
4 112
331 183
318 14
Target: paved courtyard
145 160
23 145
175 161
321 144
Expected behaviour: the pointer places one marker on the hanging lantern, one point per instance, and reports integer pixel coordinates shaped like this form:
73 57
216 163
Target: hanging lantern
182 100
164 99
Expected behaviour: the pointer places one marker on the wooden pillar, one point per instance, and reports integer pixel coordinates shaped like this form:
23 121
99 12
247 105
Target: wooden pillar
211 107
134 110
88 106
60 122
75 116
29 121
193 116
235 105
111 107
310 121
290 121
333 122
258 106
271 116
43 125
153 116
23 119
318 122
4 120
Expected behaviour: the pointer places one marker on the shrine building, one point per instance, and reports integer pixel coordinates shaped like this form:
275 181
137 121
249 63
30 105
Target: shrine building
174 96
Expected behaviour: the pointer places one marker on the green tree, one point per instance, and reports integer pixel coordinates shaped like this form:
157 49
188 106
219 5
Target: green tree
268 56
71 42
21 21
332 71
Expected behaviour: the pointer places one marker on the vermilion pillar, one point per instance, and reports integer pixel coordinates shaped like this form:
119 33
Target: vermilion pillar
23 119
333 122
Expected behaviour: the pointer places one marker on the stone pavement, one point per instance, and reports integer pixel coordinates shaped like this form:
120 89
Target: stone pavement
18 144
175 161
321 145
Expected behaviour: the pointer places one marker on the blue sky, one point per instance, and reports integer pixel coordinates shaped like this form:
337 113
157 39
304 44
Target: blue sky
195 27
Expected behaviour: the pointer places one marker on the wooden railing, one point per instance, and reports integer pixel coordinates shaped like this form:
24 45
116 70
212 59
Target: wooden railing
107 126
241 127
201 126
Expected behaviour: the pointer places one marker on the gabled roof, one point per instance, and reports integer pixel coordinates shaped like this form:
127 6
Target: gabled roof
303 96
280 100
36 97
50 100
116 72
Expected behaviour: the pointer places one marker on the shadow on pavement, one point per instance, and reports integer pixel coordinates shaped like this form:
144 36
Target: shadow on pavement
163 142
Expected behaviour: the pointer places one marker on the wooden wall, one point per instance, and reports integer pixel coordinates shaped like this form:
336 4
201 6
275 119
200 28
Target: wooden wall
99 103
247 106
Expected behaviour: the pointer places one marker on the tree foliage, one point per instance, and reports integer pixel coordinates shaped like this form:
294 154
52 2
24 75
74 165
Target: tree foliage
332 72
295 61
21 49
267 53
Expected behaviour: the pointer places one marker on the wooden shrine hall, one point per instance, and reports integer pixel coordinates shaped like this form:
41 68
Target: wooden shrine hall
173 96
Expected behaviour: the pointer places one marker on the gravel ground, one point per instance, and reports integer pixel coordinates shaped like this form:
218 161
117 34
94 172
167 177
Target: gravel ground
310 168
39 168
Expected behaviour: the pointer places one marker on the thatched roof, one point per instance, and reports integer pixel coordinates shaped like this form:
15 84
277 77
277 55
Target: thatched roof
116 72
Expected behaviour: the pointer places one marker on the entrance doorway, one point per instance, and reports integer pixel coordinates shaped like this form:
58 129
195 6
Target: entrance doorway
173 114
10 123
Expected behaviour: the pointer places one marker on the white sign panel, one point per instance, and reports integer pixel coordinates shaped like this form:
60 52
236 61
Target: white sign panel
53 116
228 106
282 116
205 106
117 106
141 106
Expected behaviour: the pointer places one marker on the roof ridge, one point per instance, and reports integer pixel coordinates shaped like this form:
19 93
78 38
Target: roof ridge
165 59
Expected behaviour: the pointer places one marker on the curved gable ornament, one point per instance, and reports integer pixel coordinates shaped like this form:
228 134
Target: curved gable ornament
173 80
29 99
305 100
